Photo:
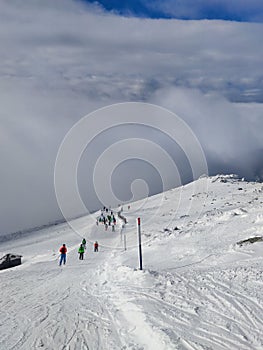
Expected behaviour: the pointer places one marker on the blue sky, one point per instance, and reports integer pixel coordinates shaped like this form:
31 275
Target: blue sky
234 10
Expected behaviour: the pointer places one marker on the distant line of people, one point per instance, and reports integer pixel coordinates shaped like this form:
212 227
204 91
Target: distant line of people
107 218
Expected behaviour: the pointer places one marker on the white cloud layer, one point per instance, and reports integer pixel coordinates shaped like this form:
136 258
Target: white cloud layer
62 59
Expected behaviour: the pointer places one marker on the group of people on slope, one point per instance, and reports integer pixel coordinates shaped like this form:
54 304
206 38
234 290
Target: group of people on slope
107 218
63 251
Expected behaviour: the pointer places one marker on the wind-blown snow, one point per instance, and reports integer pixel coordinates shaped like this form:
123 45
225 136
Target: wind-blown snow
198 288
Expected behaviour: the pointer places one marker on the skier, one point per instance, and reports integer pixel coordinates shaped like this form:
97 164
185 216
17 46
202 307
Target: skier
84 243
96 246
63 252
81 252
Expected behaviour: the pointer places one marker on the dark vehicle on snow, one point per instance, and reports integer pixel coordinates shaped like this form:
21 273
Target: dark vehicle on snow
10 260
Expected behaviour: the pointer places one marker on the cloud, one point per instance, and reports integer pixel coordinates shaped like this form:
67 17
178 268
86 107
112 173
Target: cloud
63 59
85 51
230 134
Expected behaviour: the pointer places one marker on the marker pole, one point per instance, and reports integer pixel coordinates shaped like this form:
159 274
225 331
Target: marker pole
139 242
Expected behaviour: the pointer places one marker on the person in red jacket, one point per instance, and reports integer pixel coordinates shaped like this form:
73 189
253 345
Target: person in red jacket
96 246
63 253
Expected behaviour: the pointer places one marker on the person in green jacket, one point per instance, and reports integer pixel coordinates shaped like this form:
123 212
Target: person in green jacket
81 252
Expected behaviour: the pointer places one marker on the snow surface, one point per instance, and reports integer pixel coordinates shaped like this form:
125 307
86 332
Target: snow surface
198 289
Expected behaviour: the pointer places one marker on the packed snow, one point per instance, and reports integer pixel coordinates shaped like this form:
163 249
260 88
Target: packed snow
199 288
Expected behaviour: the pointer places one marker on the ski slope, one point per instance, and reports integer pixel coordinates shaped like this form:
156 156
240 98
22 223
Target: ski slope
198 289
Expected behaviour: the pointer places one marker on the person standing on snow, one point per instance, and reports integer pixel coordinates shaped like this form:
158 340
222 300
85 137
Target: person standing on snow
84 243
96 246
63 253
81 252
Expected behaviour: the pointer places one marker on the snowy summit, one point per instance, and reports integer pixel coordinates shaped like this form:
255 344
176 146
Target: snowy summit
201 286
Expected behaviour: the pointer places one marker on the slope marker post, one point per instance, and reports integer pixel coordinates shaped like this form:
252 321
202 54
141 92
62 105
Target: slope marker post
139 242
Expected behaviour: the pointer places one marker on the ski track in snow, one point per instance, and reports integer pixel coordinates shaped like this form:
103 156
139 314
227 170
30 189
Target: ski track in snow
198 290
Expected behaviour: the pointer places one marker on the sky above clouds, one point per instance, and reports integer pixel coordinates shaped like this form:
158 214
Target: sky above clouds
60 60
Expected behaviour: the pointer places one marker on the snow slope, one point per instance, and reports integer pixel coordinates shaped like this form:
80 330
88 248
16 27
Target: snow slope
198 288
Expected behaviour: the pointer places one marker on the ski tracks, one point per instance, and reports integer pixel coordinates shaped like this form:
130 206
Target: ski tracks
225 313
182 311
129 317
64 316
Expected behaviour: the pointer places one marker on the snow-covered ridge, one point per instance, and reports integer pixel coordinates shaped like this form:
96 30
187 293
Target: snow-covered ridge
199 288
23 233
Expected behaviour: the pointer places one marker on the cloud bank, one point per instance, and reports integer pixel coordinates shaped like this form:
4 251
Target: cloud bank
63 59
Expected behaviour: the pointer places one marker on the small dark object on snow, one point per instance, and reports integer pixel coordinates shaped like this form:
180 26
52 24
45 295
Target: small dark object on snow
250 240
240 188
10 260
